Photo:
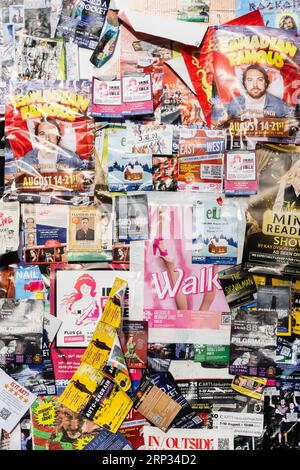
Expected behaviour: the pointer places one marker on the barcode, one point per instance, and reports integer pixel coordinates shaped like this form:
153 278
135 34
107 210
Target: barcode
5 414
223 444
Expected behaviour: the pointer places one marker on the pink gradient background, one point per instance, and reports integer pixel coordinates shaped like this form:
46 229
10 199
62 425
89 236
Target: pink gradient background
177 236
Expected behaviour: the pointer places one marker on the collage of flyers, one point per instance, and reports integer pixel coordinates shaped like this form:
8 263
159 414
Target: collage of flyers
150 225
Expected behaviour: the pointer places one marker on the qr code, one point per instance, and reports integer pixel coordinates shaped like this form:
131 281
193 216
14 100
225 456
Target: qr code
5 414
285 351
211 171
223 444
225 319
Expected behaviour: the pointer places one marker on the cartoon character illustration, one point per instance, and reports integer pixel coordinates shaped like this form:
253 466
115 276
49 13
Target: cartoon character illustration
83 302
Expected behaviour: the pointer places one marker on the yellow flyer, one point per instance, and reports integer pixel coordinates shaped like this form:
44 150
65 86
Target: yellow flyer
98 398
251 386
99 348
112 313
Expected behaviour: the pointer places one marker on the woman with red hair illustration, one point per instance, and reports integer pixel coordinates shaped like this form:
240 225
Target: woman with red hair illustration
83 302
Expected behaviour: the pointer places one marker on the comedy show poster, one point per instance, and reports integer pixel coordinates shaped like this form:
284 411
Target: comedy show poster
172 282
51 136
256 80
272 243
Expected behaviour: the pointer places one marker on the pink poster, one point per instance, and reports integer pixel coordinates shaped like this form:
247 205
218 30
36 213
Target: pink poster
172 282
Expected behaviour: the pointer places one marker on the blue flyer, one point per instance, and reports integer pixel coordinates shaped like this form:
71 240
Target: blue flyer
130 172
283 14
215 233
106 440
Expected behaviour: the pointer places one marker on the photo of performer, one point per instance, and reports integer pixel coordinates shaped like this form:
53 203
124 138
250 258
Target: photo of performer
30 240
85 232
30 223
31 256
255 100
288 23
288 195
17 15
285 419
131 356
47 155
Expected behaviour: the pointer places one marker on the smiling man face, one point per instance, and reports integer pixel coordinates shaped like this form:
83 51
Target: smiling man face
255 83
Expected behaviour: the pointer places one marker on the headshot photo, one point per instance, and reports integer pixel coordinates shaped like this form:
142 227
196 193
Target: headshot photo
31 256
30 223
16 14
288 23
85 231
255 99
30 239
121 254
47 154
49 255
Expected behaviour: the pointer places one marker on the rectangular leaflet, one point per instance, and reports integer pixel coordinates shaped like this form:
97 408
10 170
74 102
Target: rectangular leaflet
82 21
253 343
276 14
80 300
273 231
215 232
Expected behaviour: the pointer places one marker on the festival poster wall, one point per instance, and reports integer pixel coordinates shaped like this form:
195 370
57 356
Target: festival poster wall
172 283
256 80
273 222
276 14
51 138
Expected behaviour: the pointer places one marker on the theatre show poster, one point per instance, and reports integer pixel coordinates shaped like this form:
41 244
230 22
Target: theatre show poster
273 215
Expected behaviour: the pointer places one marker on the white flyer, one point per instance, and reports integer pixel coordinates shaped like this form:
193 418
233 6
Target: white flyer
80 300
242 424
15 400
51 324
187 439
9 226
